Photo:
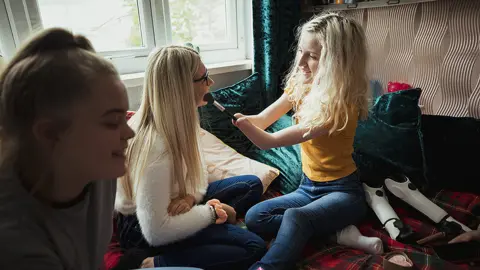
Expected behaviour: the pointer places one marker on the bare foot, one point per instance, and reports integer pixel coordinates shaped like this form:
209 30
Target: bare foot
147 263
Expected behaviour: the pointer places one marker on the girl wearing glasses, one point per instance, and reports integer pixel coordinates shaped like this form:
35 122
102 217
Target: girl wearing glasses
165 203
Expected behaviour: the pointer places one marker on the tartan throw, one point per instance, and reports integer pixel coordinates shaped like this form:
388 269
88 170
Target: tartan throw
334 256
458 205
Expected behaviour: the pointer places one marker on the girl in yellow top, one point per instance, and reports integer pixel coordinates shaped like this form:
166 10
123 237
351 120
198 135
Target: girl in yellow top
328 89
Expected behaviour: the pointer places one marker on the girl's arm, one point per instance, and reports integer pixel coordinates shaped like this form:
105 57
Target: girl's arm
272 113
285 137
153 198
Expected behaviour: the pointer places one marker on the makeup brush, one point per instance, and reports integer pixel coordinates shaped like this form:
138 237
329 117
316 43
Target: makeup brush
209 98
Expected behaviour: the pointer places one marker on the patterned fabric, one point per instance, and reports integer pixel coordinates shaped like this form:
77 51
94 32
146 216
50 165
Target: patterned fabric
334 256
458 205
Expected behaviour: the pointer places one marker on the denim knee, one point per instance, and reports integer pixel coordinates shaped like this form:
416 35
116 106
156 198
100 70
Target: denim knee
255 183
296 216
253 218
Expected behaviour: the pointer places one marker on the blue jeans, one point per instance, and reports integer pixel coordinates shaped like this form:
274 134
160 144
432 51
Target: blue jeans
223 246
241 192
315 209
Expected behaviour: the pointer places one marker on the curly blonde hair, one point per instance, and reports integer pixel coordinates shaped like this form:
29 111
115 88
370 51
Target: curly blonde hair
341 84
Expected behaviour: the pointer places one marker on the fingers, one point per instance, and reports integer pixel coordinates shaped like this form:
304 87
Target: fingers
230 210
240 118
170 206
243 122
231 213
184 208
222 216
213 202
178 207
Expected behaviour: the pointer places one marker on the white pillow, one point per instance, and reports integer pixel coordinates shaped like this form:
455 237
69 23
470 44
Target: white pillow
224 162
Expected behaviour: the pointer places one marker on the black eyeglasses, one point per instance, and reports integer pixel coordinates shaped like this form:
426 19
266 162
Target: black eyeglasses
203 78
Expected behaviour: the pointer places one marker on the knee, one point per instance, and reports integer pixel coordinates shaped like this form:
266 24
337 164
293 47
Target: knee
255 183
296 216
254 217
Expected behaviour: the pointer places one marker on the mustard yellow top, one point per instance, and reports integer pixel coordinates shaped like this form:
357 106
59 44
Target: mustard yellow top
329 157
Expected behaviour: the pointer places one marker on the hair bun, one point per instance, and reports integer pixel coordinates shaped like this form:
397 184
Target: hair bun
57 39
83 43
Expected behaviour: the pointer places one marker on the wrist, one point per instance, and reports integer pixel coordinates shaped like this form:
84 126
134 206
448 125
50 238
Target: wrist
214 214
260 120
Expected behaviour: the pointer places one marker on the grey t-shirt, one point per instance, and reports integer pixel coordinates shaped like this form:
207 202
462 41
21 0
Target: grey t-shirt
35 236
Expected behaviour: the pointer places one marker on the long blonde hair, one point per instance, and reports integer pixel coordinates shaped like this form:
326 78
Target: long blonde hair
341 83
168 109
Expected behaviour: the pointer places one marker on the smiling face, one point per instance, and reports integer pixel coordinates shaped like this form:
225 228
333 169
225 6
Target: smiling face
308 55
201 84
95 142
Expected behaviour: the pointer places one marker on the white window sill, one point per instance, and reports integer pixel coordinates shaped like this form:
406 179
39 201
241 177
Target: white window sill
136 79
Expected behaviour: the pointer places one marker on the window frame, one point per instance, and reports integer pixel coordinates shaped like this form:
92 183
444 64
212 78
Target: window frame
23 18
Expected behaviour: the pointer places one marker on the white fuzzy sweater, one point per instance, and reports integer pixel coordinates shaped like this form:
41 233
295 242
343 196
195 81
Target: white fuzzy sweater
153 195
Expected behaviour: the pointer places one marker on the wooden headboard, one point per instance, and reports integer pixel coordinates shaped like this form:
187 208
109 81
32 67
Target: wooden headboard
434 46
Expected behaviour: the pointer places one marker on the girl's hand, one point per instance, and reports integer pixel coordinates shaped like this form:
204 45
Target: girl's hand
253 119
222 215
181 205
231 213
243 122
213 202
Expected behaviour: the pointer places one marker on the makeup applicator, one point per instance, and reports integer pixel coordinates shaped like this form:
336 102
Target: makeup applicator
209 98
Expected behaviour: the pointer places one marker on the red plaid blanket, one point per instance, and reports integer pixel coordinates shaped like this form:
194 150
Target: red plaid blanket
458 205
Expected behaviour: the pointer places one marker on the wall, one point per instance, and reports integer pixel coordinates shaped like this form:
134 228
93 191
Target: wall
221 80
434 46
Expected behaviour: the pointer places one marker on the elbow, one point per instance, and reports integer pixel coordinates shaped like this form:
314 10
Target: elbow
263 147
268 143
156 237
156 232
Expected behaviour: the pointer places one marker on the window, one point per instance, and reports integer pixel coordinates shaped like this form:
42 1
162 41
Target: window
125 31
112 25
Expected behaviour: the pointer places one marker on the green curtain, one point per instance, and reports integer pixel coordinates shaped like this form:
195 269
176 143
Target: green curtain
274 27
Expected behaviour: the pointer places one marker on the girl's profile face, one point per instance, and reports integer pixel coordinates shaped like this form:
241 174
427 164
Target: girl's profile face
201 84
308 55
94 144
